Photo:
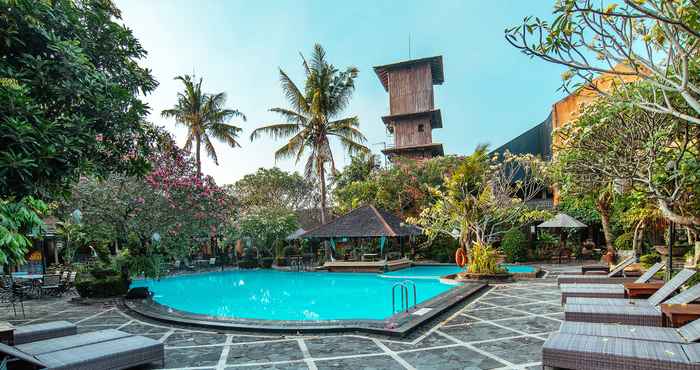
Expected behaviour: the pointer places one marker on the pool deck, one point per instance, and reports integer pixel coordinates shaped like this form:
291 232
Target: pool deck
503 328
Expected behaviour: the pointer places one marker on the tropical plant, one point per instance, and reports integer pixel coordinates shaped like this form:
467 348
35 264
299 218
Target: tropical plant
651 40
483 198
483 259
205 117
70 92
272 188
267 229
514 245
19 222
311 120
73 235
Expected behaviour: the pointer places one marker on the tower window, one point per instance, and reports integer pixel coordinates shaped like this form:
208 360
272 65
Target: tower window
420 128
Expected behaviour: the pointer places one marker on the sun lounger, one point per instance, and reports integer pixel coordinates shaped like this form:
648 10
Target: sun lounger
662 294
62 343
46 330
571 351
610 278
688 333
73 353
636 312
604 290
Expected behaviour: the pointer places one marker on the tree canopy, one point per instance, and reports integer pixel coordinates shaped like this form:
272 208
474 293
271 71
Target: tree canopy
71 79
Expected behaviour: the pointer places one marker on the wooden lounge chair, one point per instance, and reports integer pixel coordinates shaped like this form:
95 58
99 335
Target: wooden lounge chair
688 333
662 294
42 331
610 278
572 351
638 312
106 349
604 290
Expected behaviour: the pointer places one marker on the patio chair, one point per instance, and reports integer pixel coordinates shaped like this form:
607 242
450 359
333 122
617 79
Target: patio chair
662 294
50 285
686 334
107 349
572 351
604 290
611 278
46 330
10 296
212 262
644 312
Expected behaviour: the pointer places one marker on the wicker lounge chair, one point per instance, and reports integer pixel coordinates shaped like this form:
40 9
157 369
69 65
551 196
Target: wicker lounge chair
46 330
636 312
610 278
662 294
50 285
99 350
688 333
604 290
572 351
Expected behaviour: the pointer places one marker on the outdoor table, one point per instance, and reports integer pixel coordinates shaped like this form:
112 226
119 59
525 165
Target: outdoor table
641 290
7 333
34 280
676 315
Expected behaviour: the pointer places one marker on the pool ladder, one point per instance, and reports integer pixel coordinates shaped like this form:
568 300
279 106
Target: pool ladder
403 288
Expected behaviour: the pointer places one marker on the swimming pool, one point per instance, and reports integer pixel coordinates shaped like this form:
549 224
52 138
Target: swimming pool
276 295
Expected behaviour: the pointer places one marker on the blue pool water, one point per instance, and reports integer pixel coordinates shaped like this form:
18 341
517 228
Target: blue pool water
276 295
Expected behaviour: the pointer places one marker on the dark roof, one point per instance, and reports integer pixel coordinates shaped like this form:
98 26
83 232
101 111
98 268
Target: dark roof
311 217
536 141
365 221
435 148
435 118
435 67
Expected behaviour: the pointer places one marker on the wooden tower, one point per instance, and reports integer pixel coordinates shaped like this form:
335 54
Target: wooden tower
412 114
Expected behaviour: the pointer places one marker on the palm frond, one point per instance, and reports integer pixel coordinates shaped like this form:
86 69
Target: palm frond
276 131
294 96
209 147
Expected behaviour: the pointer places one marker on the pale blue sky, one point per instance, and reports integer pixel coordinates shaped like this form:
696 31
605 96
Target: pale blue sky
491 92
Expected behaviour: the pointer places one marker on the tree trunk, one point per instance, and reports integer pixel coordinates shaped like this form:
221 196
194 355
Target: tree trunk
603 206
322 178
635 237
197 156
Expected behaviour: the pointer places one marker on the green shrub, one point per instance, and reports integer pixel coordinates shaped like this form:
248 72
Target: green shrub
266 262
248 263
514 245
111 286
648 260
483 259
624 241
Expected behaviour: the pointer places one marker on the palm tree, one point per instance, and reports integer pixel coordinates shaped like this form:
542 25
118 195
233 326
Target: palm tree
204 116
312 119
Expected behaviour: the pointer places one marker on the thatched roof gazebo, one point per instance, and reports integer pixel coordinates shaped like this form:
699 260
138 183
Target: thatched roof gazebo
366 222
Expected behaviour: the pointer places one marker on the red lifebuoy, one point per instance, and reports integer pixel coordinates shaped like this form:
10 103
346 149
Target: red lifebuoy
460 257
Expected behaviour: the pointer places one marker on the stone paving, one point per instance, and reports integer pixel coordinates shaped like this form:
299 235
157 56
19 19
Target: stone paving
504 328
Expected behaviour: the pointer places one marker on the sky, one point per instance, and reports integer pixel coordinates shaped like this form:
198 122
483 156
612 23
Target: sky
491 93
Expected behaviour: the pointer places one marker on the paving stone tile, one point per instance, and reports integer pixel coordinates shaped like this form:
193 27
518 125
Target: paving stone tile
265 352
540 309
480 304
103 320
532 325
522 350
137 328
494 313
183 338
192 357
432 340
299 365
508 301
340 346
460 319
369 363
450 358
251 338
478 331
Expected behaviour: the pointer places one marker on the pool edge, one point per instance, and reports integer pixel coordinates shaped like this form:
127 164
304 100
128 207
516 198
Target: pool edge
397 325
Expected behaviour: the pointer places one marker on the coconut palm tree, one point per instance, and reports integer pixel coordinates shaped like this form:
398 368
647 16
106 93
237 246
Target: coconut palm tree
205 117
311 120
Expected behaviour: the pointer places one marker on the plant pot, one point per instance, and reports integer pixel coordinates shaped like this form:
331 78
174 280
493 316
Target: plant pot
678 251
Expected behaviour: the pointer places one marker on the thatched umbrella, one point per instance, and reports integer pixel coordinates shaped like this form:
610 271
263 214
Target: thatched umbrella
562 221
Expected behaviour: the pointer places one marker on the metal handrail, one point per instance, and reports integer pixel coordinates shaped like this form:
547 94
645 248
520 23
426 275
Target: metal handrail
403 289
